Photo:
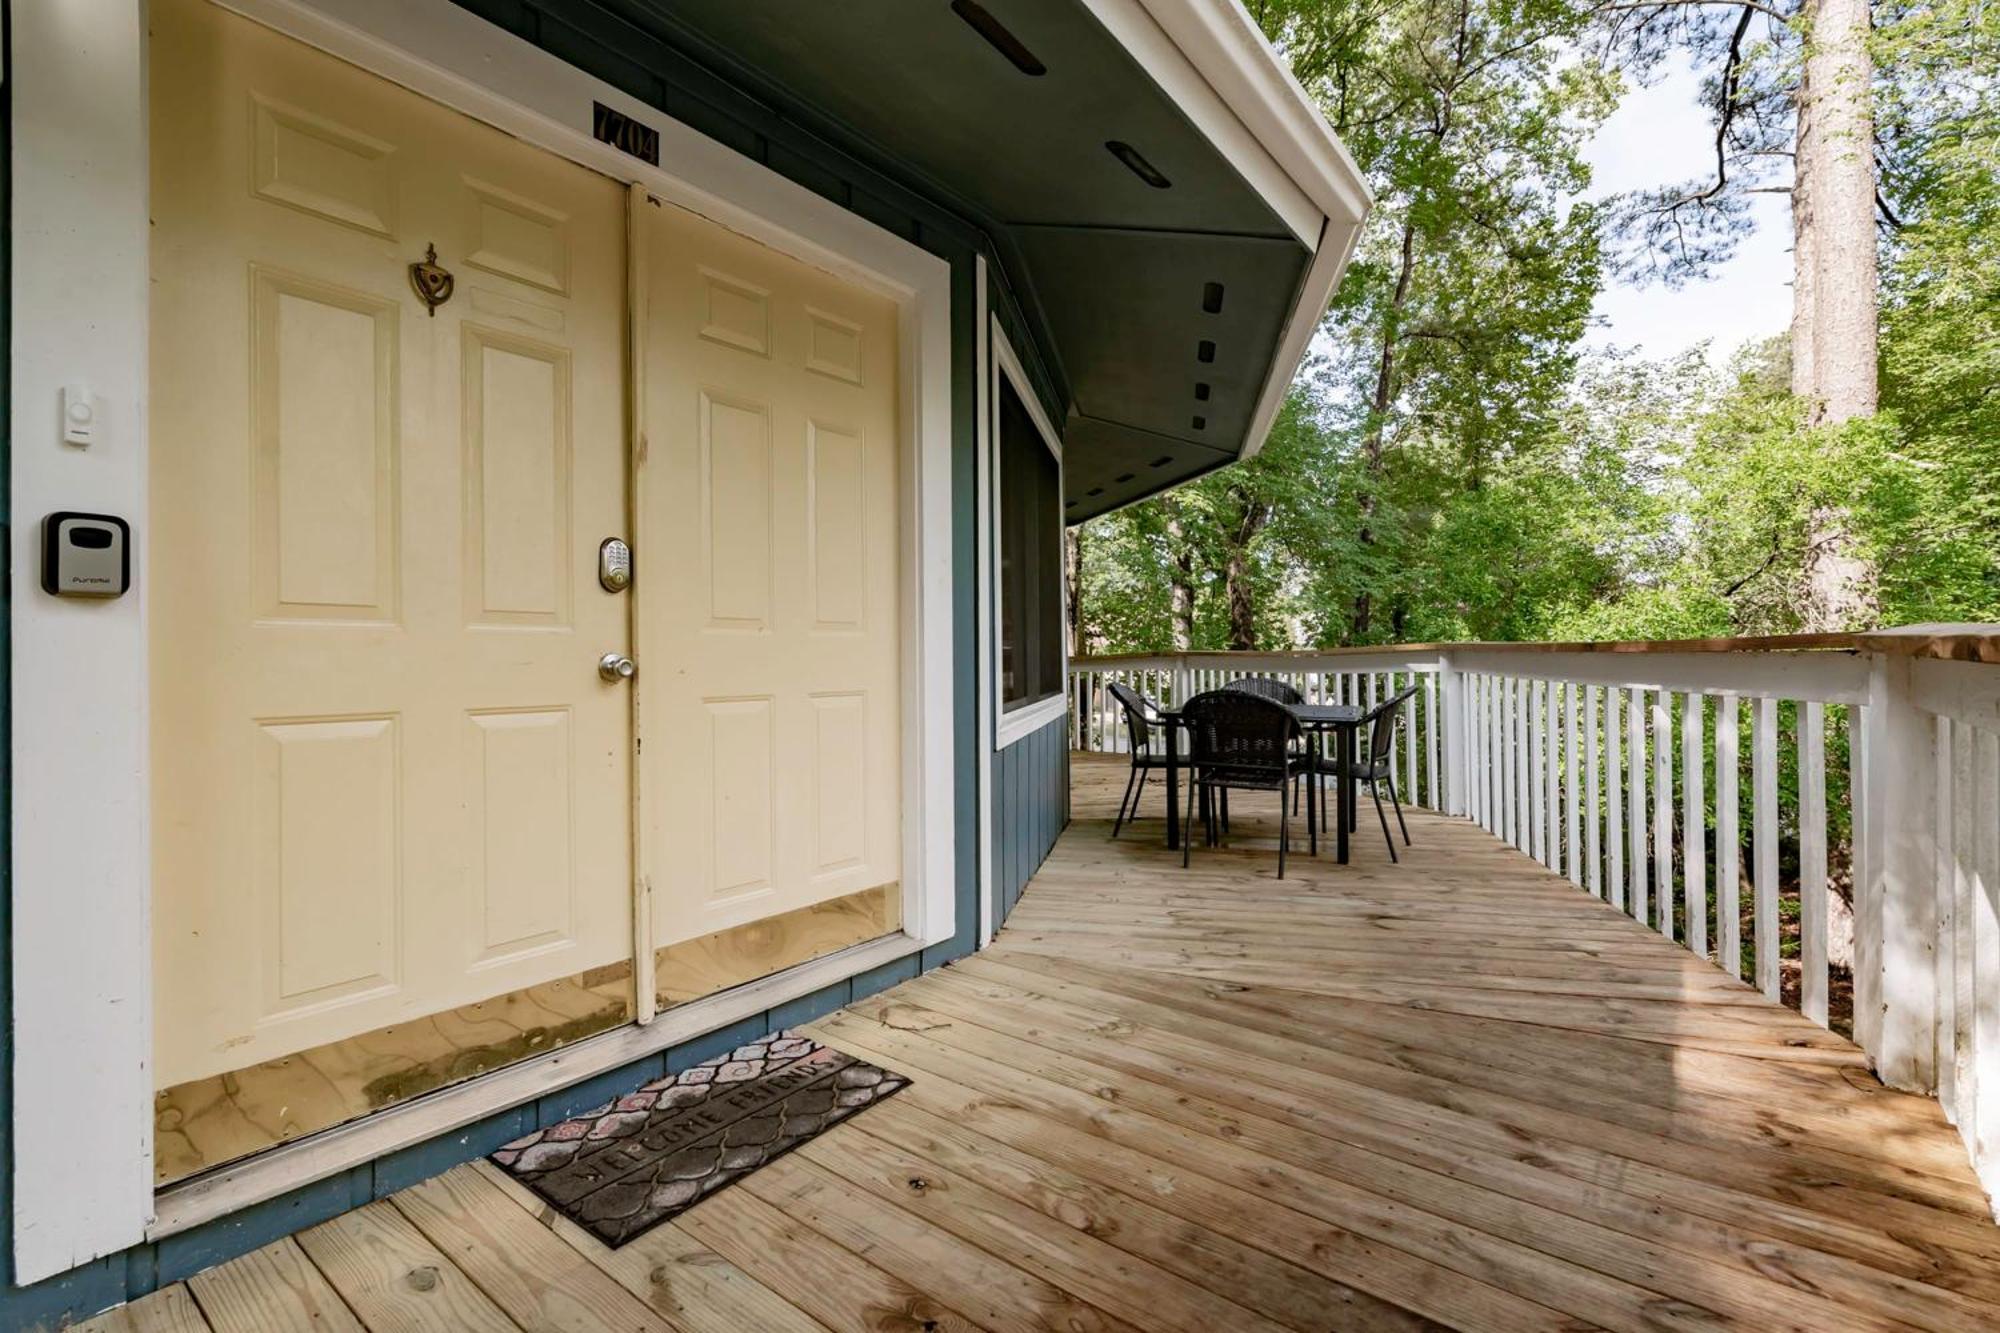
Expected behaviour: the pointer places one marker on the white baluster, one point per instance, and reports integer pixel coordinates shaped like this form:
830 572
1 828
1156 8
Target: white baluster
1614 803
1949 960
1496 785
1475 686
1978 927
1593 841
1663 812
1517 741
1764 845
1552 777
1694 824
1812 861
1410 724
1434 786
1635 735
1538 846
1573 862
1728 839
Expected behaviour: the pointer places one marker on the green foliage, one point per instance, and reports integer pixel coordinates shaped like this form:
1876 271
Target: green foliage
1452 466
1941 280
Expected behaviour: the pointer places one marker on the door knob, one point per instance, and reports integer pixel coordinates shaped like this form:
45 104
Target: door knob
615 667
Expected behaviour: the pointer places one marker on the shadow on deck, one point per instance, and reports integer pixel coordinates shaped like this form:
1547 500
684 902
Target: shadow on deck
1456 1091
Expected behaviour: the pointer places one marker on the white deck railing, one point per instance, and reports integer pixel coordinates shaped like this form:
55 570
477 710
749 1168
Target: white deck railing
1636 770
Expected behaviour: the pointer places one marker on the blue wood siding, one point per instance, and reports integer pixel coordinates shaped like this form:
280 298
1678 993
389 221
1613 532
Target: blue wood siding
646 64
1030 808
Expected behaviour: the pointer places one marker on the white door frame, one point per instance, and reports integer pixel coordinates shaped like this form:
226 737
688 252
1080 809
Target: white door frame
82 997
82 933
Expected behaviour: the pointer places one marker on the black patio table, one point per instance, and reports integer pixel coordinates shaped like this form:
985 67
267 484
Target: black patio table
1342 721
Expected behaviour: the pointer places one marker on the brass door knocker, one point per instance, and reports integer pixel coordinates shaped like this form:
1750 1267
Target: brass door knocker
432 281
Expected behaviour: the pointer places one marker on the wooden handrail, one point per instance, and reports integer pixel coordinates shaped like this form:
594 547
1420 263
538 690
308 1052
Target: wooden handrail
1952 643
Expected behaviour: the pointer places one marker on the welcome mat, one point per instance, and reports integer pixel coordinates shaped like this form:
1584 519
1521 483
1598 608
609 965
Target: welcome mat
629 1165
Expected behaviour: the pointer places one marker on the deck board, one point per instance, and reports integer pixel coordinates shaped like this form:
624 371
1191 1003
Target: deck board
1453 1092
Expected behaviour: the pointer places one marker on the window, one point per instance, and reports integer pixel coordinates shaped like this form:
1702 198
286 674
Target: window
1031 552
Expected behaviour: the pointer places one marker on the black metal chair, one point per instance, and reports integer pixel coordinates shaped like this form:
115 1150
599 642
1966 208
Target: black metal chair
1268 687
1142 720
1374 769
1242 740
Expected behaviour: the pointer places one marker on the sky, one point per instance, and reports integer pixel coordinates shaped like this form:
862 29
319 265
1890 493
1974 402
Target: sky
1659 135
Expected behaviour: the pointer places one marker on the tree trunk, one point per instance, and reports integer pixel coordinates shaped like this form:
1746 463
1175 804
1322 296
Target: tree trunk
1073 577
1180 576
1242 605
1833 321
1378 420
1834 292
1805 265
1839 73
1251 518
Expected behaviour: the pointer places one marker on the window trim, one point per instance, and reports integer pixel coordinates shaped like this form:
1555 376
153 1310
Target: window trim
1012 725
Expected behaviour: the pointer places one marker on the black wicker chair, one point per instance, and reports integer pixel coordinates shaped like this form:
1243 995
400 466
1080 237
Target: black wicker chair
1374 769
1267 687
1243 740
1142 721
1270 687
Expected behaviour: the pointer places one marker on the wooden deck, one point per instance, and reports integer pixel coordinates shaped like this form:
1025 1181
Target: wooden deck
1456 1091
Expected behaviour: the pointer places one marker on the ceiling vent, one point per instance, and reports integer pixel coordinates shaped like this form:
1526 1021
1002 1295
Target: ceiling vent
996 35
1141 168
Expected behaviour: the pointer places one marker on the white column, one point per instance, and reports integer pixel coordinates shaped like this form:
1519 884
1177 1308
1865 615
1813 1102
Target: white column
1451 728
1895 910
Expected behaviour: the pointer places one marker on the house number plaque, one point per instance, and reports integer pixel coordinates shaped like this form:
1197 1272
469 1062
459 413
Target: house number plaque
612 126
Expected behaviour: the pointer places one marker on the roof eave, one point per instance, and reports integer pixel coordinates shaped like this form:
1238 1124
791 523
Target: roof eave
1233 65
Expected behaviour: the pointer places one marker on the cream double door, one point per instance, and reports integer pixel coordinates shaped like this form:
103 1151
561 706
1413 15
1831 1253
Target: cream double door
394 802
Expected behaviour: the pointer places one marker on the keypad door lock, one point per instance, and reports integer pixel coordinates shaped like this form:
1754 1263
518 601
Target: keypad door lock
614 565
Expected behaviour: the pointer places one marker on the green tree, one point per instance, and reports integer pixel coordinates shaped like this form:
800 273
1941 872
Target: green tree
1449 466
1453 335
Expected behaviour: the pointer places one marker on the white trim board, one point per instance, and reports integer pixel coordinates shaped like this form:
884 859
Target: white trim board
1028 719
1315 294
1226 50
82 933
1008 362
985 663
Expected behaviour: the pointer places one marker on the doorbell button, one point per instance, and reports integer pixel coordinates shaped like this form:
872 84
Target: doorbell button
79 416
